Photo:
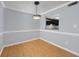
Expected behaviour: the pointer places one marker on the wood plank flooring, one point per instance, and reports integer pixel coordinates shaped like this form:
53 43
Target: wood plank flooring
35 48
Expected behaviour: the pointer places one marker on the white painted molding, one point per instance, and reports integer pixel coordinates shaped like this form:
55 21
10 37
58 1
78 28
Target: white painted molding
3 4
53 9
17 44
1 51
32 30
42 30
59 32
43 40
21 42
60 46
19 10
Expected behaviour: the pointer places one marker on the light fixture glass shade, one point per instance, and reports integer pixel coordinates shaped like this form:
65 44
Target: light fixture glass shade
36 17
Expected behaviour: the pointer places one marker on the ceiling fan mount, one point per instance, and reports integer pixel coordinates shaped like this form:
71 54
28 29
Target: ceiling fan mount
36 2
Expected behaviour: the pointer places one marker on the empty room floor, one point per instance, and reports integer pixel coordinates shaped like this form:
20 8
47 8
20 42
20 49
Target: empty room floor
35 48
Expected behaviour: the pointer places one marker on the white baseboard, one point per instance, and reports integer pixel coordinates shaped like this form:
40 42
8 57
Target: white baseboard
1 47
43 40
60 46
1 51
20 42
17 44
63 33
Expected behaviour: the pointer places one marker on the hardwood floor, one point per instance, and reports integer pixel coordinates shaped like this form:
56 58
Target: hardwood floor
35 48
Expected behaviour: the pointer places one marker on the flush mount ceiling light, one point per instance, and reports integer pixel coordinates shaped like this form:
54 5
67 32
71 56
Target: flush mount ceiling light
36 16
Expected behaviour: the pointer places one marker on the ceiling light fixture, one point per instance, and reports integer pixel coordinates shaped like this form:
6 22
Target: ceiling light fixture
37 16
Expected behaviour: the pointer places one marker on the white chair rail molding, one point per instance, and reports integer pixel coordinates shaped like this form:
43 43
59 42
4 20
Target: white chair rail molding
39 28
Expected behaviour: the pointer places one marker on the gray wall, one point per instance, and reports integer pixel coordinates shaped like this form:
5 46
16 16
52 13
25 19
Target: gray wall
68 17
15 21
66 41
1 25
10 38
1 18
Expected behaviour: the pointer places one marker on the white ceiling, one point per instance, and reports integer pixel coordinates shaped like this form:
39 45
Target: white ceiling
29 7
